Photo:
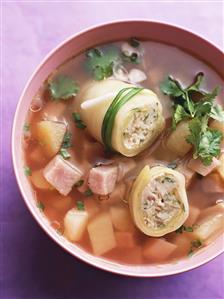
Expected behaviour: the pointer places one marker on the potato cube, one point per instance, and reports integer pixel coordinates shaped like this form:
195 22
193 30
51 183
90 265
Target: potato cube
125 239
75 223
101 234
210 224
180 147
50 134
121 218
158 250
183 243
38 180
193 215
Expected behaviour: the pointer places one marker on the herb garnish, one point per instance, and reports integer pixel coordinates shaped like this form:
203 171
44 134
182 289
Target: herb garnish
88 192
79 183
26 127
27 171
78 122
121 98
67 141
197 106
63 87
40 206
195 244
64 153
184 228
100 61
80 205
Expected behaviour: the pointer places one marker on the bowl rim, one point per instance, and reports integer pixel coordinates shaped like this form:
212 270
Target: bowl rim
96 264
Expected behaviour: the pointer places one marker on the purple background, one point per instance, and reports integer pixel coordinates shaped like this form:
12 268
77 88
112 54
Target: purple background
32 265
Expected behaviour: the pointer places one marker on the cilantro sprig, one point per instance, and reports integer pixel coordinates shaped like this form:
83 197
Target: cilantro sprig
100 61
63 87
194 104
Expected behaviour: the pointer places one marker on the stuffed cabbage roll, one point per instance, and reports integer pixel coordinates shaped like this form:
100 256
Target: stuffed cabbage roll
123 117
158 201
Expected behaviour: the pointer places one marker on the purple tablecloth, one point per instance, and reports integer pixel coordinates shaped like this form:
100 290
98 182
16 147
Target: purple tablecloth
33 266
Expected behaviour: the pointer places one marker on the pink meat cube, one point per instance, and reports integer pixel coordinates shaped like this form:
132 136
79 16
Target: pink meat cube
102 179
62 174
200 168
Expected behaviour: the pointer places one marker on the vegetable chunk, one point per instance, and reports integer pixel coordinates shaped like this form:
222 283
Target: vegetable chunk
220 168
210 224
62 174
158 250
75 223
121 218
212 184
101 234
50 134
176 142
102 179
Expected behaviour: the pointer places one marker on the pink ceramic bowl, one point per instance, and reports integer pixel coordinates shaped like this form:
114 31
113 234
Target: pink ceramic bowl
100 34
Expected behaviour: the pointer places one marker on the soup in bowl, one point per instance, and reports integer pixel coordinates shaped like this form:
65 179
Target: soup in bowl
118 148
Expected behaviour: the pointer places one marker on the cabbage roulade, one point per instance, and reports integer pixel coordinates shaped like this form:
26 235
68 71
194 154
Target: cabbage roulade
123 117
158 201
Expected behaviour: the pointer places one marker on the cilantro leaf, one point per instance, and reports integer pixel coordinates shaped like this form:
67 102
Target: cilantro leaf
64 153
80 205
171 87
179 114
100 62
206 141
217 113
197 83
63 87
67 141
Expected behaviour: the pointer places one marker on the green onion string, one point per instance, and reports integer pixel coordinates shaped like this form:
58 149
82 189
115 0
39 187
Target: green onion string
123 96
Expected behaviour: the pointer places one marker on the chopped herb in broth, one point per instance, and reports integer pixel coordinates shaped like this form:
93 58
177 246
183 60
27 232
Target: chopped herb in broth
63 87
107 166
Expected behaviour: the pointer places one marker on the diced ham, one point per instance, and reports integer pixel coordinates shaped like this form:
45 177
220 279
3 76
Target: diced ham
61 174
124 167
199 167
102 179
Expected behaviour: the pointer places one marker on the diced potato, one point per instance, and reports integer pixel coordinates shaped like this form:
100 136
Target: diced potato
188 173
125 239
101 234
193 215
60 203
220 168
91 206
121 218
212 183
176 142
50 134
75 223
39 181
158 250
210 224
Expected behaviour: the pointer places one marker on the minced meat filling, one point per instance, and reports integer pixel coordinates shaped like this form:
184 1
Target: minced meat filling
160 201
139 128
